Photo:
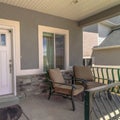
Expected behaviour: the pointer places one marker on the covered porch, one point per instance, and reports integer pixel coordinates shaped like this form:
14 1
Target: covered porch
97 105
38 35
38 107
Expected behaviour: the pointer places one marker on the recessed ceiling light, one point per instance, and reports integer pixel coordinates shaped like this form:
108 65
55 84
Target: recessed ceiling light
75 1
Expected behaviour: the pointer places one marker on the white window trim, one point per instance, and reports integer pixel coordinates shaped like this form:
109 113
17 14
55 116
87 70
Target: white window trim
42 29
15 27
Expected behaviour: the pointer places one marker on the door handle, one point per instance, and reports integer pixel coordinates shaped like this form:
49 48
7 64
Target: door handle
10 67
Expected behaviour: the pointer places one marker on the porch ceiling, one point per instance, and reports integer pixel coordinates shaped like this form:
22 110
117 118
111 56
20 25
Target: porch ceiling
70 9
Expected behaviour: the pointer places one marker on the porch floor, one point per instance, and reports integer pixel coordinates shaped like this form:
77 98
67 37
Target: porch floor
38 107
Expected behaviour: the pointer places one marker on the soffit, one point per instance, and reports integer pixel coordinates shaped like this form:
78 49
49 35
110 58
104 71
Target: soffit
65 8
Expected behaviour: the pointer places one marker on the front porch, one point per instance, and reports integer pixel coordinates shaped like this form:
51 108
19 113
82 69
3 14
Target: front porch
59 108
38 107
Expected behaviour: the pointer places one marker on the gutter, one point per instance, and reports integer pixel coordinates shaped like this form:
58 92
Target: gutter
106 47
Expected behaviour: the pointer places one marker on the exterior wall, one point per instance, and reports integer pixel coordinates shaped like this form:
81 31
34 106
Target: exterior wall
90 40
107 57
93 35
103 32
29 21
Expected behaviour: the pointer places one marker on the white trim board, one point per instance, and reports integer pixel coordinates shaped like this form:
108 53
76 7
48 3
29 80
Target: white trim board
106 47
42 29
14 26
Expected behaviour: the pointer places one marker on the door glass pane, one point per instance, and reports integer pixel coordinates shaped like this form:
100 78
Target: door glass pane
60 50
48 50
2 40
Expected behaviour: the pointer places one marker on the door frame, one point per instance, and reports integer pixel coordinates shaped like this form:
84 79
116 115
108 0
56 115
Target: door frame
14 27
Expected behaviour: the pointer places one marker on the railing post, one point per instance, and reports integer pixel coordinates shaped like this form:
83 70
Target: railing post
99 105
98 74
93 72
102 75
87 106
118 71
107 75
113 77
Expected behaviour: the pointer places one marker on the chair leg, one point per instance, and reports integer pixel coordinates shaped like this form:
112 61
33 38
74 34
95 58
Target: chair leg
25 115
82 95
73 104
50 92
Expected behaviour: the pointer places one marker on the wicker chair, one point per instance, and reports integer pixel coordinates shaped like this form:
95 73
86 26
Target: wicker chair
59 86
83 76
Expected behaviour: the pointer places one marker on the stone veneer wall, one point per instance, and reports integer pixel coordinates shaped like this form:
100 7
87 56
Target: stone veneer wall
35 84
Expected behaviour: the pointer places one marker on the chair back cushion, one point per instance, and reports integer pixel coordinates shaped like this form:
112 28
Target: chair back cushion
82 72
56 75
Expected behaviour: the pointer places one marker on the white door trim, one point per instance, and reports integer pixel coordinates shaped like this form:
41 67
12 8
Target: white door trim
6 74
15 29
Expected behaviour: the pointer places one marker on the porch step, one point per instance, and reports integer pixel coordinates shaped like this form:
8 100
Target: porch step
8 101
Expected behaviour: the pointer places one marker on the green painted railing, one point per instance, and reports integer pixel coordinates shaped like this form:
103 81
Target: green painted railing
104 75
102 104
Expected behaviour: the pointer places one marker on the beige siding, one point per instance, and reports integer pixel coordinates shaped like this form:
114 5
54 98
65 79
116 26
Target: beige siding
107 56
90 39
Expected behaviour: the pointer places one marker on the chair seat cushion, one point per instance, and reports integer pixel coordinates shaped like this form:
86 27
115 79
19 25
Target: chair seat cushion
64 89
93 84
90 84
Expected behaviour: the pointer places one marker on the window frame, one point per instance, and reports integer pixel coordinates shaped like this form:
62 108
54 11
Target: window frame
53 30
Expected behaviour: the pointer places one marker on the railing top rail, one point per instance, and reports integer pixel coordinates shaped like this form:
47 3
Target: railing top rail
103 66
104 87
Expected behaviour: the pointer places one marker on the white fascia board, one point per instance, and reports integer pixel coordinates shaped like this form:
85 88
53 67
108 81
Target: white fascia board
106 47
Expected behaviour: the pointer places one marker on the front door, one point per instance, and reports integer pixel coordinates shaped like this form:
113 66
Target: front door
5 63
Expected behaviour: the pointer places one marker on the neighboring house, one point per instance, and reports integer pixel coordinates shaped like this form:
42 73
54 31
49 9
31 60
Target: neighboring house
107 53
93 35
90 39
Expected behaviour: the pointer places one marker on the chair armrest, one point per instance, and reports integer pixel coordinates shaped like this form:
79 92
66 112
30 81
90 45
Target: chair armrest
69 78
72 85
110 81
81 80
